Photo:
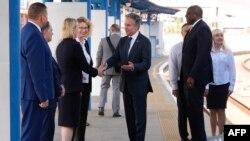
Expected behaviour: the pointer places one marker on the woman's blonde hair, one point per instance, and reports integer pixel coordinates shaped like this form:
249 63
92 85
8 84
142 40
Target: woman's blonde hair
217 31
89 24
68 28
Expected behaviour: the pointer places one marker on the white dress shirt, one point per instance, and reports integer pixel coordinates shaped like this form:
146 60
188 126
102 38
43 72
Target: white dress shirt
223 68
175 64
133 40
39 28
194 24
87 56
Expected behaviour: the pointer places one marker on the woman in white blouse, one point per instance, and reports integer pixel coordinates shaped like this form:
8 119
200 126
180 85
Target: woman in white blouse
84 30
224 79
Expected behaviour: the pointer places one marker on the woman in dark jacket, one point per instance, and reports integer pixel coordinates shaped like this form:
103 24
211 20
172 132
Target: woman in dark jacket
84 28
71 61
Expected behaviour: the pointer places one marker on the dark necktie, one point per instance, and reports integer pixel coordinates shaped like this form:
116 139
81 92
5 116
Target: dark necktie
127 45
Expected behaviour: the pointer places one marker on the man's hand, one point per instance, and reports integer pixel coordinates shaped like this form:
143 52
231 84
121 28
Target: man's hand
101 69
44 104
62 91
175 93
129 67
190 82
229 93
205 93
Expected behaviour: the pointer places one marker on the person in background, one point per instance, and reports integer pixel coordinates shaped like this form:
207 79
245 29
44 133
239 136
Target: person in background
49 121
196 70
105 50
174 71
224 74
134 54
68 51
37 87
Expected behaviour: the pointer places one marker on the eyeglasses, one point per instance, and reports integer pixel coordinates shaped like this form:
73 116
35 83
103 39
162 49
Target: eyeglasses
85 28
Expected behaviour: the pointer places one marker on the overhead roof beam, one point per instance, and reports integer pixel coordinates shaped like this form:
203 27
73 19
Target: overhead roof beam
149 7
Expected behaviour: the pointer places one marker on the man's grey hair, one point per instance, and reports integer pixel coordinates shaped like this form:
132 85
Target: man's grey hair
134 17
45 27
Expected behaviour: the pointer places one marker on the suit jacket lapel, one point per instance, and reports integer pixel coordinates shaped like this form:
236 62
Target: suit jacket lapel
87 46
88 51
189 34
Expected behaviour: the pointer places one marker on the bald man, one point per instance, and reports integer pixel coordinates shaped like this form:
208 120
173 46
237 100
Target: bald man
196 69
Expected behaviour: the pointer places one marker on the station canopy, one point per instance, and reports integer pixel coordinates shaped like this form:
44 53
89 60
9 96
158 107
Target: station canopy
145 6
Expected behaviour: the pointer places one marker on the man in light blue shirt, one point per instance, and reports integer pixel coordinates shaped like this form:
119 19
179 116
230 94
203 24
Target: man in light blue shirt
174 71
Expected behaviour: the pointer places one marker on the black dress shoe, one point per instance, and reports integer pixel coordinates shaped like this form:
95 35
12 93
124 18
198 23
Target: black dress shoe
116 115
101 111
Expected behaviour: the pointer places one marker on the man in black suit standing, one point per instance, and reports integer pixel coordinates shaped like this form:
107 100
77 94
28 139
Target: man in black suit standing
134 53
196 69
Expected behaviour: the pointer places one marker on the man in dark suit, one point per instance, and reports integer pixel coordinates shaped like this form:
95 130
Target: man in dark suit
196 69
37 87
134 53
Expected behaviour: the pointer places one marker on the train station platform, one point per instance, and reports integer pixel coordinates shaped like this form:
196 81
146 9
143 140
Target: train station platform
162 110
161 114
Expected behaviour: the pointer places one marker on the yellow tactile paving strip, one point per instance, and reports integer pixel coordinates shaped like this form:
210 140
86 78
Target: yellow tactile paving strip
163 104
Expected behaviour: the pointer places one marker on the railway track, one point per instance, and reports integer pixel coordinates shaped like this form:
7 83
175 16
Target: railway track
239 105
231 99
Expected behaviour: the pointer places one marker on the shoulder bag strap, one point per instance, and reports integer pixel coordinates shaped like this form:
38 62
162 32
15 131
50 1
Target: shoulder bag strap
112 48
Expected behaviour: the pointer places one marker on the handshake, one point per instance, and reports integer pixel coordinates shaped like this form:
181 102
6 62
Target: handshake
101 69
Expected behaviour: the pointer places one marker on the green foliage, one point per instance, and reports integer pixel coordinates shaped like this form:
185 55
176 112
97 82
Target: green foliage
173 25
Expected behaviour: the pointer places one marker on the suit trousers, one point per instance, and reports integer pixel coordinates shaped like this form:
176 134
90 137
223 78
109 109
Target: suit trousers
105 84
79 133
49 126
135 106
182 114
49 122
194 101
32 120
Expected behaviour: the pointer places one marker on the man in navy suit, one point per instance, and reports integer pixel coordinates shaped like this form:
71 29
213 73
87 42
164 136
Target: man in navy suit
134 54
196 69
37 83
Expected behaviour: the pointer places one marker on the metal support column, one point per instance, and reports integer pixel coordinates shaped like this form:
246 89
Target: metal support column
148 22
14 40
88 7
118 11
104 6
113 9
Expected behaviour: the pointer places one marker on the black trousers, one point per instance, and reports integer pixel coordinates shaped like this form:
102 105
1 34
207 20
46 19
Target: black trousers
194 103
135 106
182 114
79 133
